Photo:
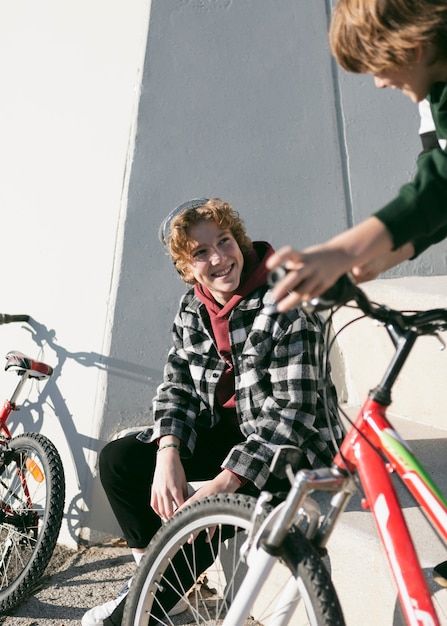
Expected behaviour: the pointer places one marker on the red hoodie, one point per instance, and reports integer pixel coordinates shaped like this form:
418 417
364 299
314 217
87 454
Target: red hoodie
253 275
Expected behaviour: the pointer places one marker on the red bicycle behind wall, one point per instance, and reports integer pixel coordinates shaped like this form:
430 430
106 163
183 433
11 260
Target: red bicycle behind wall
286 542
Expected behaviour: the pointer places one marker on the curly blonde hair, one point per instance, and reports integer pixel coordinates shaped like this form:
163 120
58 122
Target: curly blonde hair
372 36
214 210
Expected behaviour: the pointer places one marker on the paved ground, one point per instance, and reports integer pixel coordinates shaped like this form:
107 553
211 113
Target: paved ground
74 582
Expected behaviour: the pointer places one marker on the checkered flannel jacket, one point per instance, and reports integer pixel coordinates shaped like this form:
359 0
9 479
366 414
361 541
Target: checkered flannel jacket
279 396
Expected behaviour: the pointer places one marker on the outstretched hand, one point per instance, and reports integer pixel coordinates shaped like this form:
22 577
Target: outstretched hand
366 247
311 273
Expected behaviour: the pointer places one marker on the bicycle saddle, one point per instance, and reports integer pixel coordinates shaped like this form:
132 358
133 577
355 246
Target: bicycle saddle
20 363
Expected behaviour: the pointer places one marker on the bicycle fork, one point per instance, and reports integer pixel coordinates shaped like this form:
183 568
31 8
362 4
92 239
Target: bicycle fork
264 546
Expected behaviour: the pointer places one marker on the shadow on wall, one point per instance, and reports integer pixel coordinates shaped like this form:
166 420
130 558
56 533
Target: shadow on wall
32 412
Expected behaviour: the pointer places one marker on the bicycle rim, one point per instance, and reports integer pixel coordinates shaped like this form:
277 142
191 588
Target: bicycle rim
203 578
32 494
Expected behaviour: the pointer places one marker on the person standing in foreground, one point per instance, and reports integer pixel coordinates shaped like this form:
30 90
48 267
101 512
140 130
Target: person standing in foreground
238 383
403 44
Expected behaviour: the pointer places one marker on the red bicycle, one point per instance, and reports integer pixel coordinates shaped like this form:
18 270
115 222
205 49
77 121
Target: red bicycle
277 577
32 490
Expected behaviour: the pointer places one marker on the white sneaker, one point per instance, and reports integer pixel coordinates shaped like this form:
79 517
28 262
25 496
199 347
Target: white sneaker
97 615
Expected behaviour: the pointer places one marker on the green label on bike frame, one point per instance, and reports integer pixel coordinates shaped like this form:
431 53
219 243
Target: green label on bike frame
399 450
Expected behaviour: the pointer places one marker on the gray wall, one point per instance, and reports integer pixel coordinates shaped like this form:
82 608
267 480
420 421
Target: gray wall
241 99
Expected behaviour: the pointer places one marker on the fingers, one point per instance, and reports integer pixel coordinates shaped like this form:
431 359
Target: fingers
303 292
311 273
298 284
209 535
165 506
289 301
287 256
290 281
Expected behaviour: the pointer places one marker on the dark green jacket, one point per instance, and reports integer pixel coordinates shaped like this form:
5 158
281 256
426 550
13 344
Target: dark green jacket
419 212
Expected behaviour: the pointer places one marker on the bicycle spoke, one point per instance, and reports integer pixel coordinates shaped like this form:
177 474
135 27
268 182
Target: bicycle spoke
203 577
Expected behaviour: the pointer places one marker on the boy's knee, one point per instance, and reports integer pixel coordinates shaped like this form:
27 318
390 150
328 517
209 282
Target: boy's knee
111 459
124 457
105 463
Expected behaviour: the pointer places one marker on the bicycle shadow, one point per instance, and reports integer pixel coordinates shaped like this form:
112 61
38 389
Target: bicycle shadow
32 412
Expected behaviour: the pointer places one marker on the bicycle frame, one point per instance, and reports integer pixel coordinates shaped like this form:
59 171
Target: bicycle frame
10 405
372 427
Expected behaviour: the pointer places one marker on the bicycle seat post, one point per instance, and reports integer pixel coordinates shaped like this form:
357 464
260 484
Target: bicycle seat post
24 376
9 405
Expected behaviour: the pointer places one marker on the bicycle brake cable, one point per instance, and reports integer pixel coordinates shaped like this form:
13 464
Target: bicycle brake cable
324 369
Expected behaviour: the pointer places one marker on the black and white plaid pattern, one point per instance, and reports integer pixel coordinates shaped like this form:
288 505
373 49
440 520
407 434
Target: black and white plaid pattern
278 391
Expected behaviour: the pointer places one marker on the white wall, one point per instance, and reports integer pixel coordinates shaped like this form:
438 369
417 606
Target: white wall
71 73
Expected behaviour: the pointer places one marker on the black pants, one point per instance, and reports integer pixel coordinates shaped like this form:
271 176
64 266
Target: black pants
127 467
126 470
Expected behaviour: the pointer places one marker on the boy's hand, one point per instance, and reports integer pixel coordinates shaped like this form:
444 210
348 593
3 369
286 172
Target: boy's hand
169 487
312 272
224 482
317 268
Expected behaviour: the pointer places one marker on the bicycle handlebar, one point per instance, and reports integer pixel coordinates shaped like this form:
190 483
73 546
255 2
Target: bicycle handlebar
345 290
5 318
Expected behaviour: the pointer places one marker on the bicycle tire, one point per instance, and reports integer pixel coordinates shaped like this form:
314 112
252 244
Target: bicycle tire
29 526
169 559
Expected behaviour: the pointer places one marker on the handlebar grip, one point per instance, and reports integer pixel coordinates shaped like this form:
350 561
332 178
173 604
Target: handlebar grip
276 275
341 292
5 318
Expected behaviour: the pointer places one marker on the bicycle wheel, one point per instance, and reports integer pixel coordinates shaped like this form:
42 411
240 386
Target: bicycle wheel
32 494
202 577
